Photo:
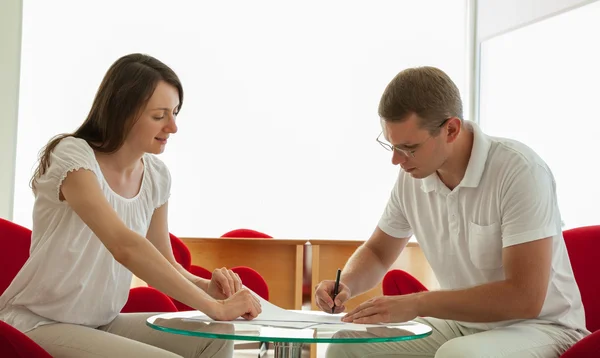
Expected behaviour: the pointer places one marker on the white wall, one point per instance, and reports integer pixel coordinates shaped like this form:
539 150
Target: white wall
498 16
493 17
273 121
10 43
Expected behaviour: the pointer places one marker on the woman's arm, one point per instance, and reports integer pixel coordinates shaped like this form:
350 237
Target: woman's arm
223 283
158 235
81 191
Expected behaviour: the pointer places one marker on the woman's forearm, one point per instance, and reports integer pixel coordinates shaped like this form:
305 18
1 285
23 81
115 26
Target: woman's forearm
147 263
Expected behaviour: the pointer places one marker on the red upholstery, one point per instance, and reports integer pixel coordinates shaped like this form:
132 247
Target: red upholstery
253 280
181 252
398 282
246 233
583 245
201 272
589 347
148 299
15 242
249 277
198 271
14 344
14 251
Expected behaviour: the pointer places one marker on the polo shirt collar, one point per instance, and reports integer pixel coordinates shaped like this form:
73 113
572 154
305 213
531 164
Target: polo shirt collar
476 165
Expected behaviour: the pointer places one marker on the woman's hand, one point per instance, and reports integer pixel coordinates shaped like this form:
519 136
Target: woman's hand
242 303
223 284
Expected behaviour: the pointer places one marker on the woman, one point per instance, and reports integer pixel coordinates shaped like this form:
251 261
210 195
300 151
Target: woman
100 213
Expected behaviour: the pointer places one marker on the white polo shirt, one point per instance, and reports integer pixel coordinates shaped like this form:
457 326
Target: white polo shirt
507 197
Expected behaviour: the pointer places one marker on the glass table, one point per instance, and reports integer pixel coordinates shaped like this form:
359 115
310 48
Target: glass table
287 338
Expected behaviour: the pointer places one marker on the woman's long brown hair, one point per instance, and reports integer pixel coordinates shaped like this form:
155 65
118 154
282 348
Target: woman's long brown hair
126 88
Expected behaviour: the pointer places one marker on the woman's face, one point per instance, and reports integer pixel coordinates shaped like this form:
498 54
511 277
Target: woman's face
157 121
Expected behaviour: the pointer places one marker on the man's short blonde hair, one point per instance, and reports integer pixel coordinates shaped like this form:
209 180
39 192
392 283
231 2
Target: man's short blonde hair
427 92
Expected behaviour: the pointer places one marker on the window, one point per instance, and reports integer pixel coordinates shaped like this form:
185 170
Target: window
539 86
277 131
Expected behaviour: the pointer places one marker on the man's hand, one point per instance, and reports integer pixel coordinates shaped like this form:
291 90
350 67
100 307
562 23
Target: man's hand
224 283
384 309
324 296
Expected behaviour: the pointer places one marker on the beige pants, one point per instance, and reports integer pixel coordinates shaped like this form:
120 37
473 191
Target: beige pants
126 336
451 340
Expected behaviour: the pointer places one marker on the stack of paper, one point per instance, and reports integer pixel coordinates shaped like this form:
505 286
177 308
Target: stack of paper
275 316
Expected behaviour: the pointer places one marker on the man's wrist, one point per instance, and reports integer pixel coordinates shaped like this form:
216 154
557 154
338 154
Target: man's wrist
420 303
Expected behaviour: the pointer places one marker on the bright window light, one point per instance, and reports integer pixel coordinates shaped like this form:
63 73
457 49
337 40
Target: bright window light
277 131
539 85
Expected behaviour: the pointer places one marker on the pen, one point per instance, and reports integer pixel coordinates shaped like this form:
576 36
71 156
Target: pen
336 288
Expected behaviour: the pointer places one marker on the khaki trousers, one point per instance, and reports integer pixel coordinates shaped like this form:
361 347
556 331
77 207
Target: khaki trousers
451 340
126 336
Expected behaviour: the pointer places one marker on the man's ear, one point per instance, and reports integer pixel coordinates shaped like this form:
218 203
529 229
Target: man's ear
453 128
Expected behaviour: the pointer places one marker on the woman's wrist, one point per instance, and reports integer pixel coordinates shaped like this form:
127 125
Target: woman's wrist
200 282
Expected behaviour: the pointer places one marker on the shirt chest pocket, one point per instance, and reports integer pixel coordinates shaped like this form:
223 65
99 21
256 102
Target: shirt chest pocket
485 246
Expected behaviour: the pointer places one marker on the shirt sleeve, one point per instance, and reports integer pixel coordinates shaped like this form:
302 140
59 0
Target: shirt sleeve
529 207
161 180
70 154
393 221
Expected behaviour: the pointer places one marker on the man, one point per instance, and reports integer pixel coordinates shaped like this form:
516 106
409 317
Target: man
485 214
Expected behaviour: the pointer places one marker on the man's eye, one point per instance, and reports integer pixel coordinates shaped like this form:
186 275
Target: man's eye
406 149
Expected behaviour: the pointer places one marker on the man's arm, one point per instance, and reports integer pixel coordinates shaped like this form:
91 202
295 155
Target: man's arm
520 295
369 263
158 235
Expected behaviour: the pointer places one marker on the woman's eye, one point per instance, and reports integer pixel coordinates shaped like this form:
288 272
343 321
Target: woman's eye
159 118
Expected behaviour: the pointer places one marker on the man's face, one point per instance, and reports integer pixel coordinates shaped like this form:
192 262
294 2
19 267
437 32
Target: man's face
415 150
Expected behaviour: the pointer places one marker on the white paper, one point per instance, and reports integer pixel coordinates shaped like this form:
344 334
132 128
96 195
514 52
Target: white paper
275 316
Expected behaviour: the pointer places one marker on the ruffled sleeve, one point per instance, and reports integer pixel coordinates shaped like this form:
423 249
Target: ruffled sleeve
70 154
160 178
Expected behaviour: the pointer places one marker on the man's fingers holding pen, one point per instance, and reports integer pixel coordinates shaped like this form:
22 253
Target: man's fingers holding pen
324 296
342 296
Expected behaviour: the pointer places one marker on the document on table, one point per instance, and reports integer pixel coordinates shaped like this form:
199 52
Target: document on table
275 316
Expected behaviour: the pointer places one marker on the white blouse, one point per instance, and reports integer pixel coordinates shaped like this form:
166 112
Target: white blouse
70 276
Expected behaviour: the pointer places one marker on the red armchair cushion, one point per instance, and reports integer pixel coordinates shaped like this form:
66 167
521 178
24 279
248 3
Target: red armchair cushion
14 344
398 282
253 280
583 245
589 347
148 299
14 241
250 278
200 272
181 252
247 233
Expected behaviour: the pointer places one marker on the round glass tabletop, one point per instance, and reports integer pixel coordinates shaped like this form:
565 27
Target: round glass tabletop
194 323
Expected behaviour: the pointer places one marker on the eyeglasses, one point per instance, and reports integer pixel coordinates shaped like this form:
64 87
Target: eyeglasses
407 152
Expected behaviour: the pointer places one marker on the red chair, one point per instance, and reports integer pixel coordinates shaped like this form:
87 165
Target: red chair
181 252
247 234
15 242
184 258
583 245
249 277
398 282
148 299
14 344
